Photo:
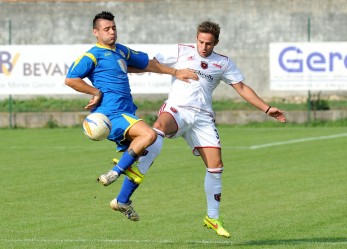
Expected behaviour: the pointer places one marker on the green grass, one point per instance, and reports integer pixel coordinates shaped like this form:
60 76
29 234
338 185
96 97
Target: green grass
286 195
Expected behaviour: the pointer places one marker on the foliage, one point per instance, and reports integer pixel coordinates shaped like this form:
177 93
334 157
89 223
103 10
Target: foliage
51 124
42 104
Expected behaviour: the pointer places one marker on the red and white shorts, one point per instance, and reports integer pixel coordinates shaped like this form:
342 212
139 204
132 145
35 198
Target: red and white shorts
196 126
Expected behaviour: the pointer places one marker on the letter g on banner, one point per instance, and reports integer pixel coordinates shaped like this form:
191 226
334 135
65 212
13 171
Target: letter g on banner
291 65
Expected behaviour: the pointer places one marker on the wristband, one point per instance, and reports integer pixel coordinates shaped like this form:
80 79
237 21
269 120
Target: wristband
268 109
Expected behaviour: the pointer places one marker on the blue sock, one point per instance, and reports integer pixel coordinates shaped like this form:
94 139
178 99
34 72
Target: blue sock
127 190
124 162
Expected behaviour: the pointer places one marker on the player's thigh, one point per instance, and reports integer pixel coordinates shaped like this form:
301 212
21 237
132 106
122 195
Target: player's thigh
140 129
166 123
173 120
203 134
121 123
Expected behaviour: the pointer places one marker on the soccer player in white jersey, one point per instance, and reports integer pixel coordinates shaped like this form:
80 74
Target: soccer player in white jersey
188 111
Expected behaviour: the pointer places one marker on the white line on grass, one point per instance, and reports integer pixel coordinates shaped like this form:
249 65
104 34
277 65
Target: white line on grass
302 140
117 241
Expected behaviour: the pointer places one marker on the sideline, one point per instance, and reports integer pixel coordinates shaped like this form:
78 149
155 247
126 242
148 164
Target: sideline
302 140
117 241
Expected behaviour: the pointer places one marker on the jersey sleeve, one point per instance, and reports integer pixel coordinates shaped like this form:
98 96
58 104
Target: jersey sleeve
232 74
134 58
169 55
82 66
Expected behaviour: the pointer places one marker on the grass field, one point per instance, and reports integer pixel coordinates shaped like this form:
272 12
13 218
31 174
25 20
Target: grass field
282 188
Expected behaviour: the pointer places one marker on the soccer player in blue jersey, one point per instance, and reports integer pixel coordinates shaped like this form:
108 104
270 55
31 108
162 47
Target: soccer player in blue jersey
107 65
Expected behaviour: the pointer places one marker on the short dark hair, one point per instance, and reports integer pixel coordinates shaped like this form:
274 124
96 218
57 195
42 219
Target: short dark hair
209 27
102 15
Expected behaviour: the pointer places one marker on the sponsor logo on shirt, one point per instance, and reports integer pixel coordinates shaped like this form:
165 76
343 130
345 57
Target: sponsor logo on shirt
207 77
174 110
216 65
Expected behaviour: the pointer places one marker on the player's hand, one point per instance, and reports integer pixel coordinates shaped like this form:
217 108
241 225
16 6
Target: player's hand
186 74
94 101
277 114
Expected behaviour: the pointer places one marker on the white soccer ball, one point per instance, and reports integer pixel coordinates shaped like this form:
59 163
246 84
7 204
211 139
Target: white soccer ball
97 126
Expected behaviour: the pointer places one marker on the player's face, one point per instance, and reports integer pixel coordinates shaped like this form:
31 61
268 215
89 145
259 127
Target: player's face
205 44
106 33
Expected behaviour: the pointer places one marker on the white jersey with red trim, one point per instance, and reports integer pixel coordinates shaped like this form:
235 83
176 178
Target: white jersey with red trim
211 70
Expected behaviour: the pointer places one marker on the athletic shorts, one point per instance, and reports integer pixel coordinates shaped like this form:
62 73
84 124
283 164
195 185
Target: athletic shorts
196 126
121 123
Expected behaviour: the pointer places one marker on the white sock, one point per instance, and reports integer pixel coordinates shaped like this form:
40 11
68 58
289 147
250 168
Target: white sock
213 190
146 160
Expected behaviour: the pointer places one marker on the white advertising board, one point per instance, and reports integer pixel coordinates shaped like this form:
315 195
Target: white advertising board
308 66
41 69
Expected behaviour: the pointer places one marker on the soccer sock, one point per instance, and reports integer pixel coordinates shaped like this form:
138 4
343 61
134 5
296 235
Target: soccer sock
146 160
213 190
125 162
127 190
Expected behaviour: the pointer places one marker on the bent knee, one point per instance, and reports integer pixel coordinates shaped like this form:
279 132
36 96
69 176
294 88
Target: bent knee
151 136
158 125
167 126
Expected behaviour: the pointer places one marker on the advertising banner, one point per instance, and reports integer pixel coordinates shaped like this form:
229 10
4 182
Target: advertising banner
308 66
41 69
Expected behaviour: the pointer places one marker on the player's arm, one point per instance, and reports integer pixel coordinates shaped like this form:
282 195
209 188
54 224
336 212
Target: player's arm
138 62
74 79
251 97
81 86
155 67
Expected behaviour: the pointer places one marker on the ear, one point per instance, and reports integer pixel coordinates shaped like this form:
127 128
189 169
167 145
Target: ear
95 32
216 42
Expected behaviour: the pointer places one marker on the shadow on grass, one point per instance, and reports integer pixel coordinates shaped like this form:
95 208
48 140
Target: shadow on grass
294 241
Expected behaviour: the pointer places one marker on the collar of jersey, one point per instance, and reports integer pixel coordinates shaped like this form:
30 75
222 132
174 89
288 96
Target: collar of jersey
104 47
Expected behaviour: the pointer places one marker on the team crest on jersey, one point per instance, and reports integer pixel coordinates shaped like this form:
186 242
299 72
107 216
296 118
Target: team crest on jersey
122 65
204 65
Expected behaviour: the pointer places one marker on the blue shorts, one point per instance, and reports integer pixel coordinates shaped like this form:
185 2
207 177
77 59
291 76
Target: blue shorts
121 123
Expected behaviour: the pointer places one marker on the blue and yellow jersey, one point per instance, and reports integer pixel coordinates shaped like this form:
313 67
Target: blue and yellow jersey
107 69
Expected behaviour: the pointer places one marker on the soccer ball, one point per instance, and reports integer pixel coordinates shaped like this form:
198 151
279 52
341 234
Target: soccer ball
96 126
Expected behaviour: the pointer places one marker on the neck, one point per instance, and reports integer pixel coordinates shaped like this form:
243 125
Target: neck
106 46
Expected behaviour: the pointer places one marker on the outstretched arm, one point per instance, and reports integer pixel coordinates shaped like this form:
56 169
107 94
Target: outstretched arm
251 97
81 86
155 67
